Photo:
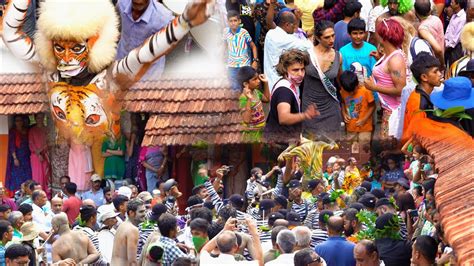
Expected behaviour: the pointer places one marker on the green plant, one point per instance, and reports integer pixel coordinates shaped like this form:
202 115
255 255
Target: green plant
366 218
456 112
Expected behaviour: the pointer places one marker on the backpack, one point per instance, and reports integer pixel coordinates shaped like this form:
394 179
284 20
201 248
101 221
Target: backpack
413 42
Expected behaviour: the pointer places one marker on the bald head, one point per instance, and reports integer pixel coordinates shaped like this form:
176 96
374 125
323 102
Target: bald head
227 242
287 21
59 222
56 205
88 202
423 8
335 225
281 222
365 253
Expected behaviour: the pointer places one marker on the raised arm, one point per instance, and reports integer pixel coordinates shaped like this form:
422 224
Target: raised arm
17 41
137 62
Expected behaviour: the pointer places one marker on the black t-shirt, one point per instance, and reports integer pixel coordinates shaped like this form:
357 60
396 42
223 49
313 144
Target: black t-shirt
245 11
274 132
394 252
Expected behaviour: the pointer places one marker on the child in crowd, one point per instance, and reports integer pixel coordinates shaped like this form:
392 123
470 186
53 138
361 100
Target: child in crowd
251 99
358 51
238 41
358 107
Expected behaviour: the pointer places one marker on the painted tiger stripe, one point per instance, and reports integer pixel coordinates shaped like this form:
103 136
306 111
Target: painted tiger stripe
151 48
19 9
173 36
13 27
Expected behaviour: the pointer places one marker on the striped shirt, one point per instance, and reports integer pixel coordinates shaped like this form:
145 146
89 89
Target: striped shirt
318 236
144 230
302 208
238 47
312 219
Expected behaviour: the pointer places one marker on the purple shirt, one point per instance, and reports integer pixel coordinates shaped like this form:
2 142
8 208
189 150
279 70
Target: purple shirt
9 202
453 32
135 32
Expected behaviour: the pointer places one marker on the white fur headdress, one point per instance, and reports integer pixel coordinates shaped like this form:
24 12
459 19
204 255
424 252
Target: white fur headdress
78 20
467 37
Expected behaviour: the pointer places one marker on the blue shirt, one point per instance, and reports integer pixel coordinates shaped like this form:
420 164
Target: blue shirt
336 251
362 55
97 197
2 255
341 36
393 175
134 33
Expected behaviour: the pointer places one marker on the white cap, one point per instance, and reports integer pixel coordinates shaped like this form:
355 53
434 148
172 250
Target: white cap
109 213
125 191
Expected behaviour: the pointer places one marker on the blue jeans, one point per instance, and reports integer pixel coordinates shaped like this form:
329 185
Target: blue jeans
151 180
233 73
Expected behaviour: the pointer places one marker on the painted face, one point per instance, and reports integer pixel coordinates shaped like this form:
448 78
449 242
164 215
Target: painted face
71 57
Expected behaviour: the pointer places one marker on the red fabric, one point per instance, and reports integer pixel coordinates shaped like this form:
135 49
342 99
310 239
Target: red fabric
71 207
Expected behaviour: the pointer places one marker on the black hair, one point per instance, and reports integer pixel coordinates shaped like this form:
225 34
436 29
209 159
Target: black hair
423 7
25 208
351 8
106 189
303 257
328 4
275 232
321 26
201 213
15 251
71 188
65 176
32 185
199 224
419 190
349 81
462 3
350 214
134 204
405 202
322 215
422 64
167 223
87 212
427 246
4 227
428 185
245 74
35 195
355 24
194 200
227 212
233 13
4 208
196 189
119 200
214 230
155 253
184 261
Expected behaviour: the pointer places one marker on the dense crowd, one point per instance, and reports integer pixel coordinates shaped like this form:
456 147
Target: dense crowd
342 70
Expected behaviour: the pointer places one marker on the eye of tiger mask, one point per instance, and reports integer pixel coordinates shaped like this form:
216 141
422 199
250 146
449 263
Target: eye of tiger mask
71 57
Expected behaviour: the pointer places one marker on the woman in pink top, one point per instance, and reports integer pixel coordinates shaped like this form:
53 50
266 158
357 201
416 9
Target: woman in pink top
389 75
39 153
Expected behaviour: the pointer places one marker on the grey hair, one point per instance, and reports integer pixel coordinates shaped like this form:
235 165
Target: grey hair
286 240
226 241
302 235
14 217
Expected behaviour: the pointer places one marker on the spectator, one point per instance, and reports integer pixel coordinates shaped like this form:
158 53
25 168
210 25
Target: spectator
72 205
6 235
149 225
87 223
95 193
17 254
351 11
120 204
424 251
16 220
4 200
453 32
18 160
251 101
168 226
358 108
40 217
5 211
352 225
383 206
200 191
315 187
134 190
56 205
272 252
358 51
113 150
140 20
390 73
320 85
365 253
393 174
285 116
319 234
30 233
332 11
39 159
336 250
279 39
199 229
238 42
430 29
243 8
307 257
106 234
286 243
392 251
146 197
27 211
155 164
303 237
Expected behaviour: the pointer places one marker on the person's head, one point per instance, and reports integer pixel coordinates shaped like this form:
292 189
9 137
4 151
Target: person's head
457 5
248 78
233 19
237 201
136 211
34 186
227 242
351 222
17 255
307 257
88 215
417 152
303 236
56 205
393 7
63 180
225 213
405 202
27 211
316 186
275 231
5 211
96 182
324 34
424 251
200 191
203 213
356 30
139 6
328 4
19 121
368 200
60 223
168 225
199 228
2 190
70 189
286 241
16 219
281 202
6 231
108 195
418 191
366 254
39 198
349 81
391 32
294 188
134 190
120 203
291 65
423 8
392 164
352 9
335 226
384 205
386 225
287 21
426 69
185 261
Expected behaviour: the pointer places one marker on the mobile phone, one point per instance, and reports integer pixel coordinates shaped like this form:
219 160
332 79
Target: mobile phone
413 213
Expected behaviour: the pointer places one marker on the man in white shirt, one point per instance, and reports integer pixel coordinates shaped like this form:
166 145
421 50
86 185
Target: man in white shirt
226 242
278 40
286 242
41 218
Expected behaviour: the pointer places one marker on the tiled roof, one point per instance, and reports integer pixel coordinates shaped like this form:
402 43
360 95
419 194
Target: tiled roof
187 110
22 94
453 152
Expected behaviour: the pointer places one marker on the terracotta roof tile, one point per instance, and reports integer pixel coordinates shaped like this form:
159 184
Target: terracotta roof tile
22 94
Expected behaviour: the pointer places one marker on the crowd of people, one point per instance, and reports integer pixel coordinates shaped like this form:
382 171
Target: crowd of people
351 70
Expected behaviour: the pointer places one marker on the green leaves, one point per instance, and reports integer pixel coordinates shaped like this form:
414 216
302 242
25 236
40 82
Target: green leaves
336 194
367 218
456 112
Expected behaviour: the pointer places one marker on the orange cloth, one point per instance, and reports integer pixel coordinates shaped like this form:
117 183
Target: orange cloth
356 106
413 109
